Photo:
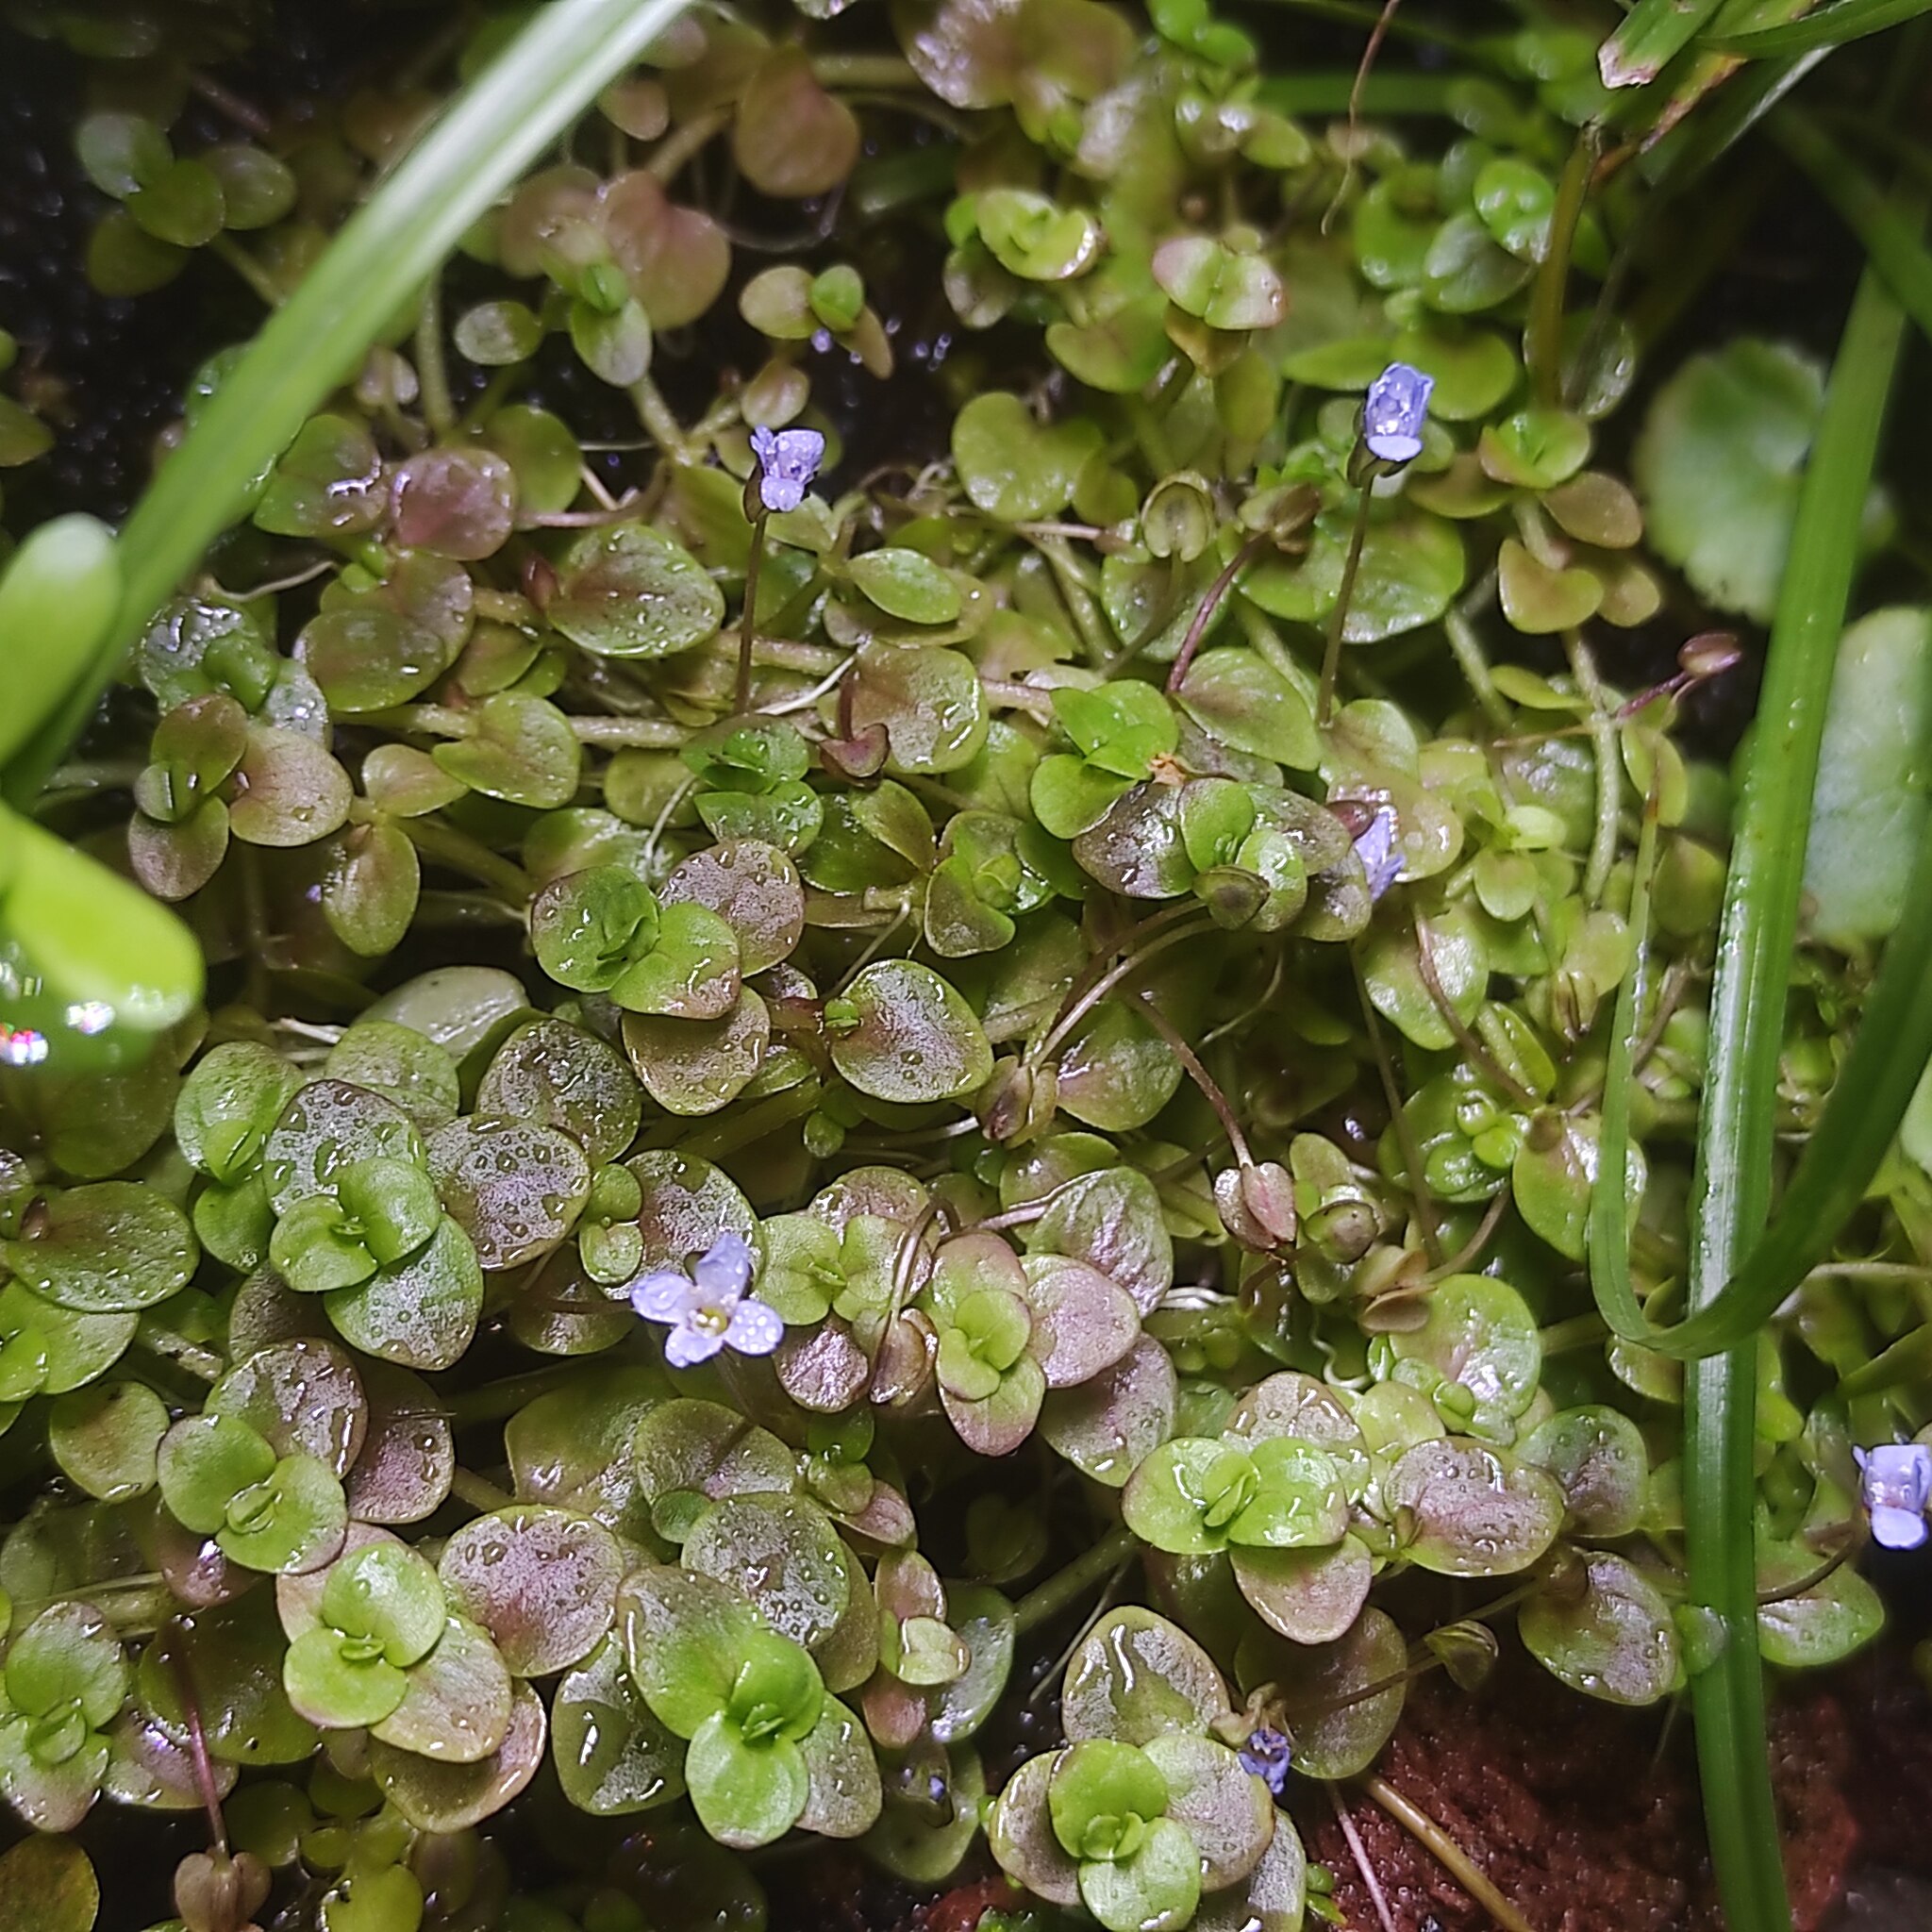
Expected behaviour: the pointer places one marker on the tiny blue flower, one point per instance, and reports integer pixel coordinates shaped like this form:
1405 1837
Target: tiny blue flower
1393 414
1381 857
1896 1486
708 1310
788 461
1266 1756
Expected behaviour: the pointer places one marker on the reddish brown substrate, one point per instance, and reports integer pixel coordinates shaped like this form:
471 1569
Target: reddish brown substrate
1585 1817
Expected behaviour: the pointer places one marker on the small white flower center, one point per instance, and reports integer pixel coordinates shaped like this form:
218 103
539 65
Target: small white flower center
709 1318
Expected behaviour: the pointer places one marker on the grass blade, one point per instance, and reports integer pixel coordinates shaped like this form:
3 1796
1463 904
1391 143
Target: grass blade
1731 1185
493 130
1832 27
1649 34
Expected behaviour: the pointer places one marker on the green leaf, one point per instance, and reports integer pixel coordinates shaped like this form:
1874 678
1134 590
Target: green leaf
1034 238
1475 1511
389 1594
1647 37
47 1883
746 1795
111 1247
401 1064
327 483
68 1656
686 1637
1102 1796
1869 807
181 204
315 1247
1720 465
58 588
421 1312
451 1794
1412 565
629 591
338 1683
1828 27
1012 469
1597 1457
612 1756
906 1034
228 1106
930 703
1153 1890
587 926
1206 279
1602 1627
291 1521
118 152
95 940
905 584
1816 1627
1480 1336
542 1582
457 1702
520 749
1237 697
204 1461
558 1076
689 971
105 1438
1136 1677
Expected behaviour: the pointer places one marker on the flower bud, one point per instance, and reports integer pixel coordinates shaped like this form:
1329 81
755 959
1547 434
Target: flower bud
1256 1205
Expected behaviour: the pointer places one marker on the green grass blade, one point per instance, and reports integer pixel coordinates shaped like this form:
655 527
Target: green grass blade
1651 33
1831 26
1894 1040
1699 140
491 132
1731 1185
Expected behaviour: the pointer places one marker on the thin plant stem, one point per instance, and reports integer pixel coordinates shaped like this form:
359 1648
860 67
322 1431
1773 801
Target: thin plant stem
495 1399
1065 1588
1404 1130
1468 652
231 253
1450 1855
1609 770
1579 1331
432 363
651 734
1205 1081
1080 1007
747 623
197 1749
1460 1261
1360 1854
1337 623
479 1493
444 845
1471 1044
1217 590
1086 619
671 154
1542 341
